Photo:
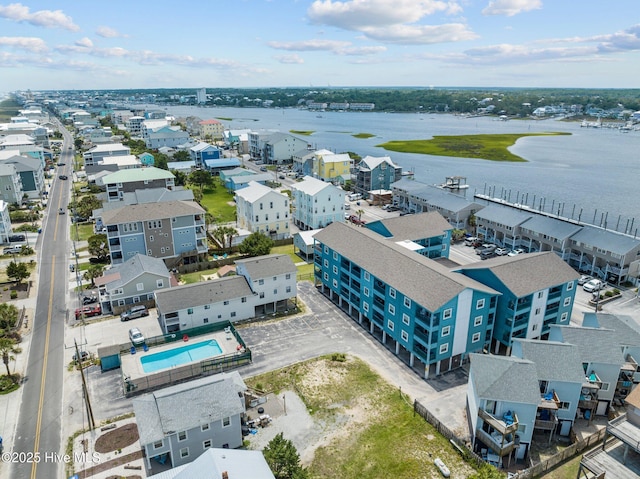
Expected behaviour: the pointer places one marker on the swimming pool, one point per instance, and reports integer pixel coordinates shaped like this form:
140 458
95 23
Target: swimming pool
179 356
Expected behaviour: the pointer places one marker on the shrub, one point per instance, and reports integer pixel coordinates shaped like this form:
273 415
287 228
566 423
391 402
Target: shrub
14 294
608 294
616 291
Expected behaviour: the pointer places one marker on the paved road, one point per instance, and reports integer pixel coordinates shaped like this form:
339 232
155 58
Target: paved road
39 423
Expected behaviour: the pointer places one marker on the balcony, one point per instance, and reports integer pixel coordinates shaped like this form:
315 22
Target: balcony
589 392
546 415
496 434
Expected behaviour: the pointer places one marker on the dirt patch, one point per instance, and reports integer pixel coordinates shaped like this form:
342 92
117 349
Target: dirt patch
110 465
6 289
117 439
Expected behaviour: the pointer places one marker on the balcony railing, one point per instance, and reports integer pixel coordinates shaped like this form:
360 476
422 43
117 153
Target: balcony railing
497 443
499 425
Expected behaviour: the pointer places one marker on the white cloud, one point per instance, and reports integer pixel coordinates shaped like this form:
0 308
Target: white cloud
310 45
358 14
108 32
41 18
421 34
31 44
84 42
511 7
289 59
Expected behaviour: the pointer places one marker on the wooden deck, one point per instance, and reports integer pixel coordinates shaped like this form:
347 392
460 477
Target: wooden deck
610 462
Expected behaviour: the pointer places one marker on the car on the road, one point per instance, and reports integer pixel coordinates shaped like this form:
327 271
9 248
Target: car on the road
594 285
135 336
61 164
501 251
515 252
61 211
88 311
63 177
282 177
585 278
263 168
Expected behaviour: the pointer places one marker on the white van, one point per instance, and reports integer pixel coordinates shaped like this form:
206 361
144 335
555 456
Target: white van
347 206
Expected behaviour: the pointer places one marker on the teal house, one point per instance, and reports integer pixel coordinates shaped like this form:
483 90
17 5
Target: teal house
429 317
146 159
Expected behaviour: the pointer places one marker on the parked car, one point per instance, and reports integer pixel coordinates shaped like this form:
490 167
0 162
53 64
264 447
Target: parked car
88 311
282 177
515 252
133 313
585 278
488 253
83 356
470 240
17 238
501 251
16 249
485 247
594 285
135 336
263 168
89 299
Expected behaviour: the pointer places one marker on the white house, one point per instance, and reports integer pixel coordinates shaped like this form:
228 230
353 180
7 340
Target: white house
262 209
317 203
5 222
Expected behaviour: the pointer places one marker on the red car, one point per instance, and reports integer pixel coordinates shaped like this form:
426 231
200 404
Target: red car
88 311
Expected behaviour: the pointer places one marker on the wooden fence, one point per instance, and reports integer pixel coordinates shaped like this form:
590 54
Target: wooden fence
534 470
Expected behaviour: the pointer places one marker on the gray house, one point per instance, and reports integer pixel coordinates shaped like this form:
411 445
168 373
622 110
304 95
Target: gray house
132 282
177 424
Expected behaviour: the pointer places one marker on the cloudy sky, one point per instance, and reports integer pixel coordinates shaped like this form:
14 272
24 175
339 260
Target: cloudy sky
278 43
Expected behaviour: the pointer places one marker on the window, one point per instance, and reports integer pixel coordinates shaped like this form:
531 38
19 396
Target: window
261 281
569 285
565 405
158 444
205 320
567 301
150 237
140 286
261 294
446 331
407 302
159 283
184 452
207 306
335 283
605 387
365 306
335 255
233 314
537 311
444 348
335 270
226 303
540 294
475 338
204 427
405 336
366 276
326 276
226 421
392 292
326 250
477 321
287 276
405 318
182 436
480 304
392 309
390 325
206 444
447 313
326 263
564 316
190 311
366 292
288 289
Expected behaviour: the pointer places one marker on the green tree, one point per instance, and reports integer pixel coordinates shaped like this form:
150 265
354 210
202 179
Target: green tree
98 246
8 317
160 160
487 471
182 155
256 244
85 206
283 459
180 177
94 271
17 271
201 178
7 350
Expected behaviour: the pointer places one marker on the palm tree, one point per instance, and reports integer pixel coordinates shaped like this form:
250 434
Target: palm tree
7 350
230 232
359 213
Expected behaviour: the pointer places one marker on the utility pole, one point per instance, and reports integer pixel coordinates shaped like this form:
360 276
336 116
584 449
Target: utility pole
85 390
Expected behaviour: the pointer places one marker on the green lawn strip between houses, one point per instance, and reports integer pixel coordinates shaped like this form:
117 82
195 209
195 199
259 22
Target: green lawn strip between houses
219 202
387 439
484 147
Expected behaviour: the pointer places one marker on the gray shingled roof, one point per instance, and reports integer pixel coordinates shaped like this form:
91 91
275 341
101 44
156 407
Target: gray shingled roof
503 215
550 226
134 267
151 211
606 240
554 361
268 265
595 345
199 294
423 280
527 273
188 405
625 327
504 378
412 227
435 196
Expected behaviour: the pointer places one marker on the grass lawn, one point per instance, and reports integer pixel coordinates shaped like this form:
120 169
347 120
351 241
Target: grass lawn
568 470
84 231
363 135
485 147
374 433
196 276
216 201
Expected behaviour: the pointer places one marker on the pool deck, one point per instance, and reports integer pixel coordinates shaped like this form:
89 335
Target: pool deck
132 367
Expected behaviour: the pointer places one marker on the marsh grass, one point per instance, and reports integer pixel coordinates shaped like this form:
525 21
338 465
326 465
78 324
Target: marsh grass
484 147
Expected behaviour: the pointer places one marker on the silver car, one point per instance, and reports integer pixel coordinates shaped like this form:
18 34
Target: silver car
135 336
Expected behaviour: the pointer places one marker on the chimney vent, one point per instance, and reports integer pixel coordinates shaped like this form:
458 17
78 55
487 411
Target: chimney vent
225 475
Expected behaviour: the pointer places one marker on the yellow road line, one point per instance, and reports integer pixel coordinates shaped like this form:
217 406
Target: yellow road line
36 446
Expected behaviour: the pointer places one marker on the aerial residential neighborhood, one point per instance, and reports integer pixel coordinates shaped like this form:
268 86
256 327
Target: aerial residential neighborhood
192 260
